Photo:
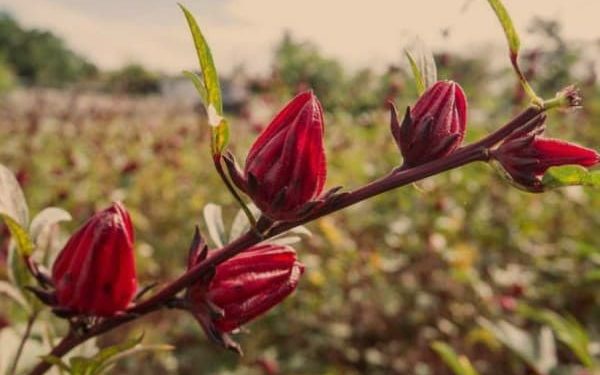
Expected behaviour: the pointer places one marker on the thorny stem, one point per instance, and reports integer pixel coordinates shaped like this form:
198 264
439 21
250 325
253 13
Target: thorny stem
28 327
478 151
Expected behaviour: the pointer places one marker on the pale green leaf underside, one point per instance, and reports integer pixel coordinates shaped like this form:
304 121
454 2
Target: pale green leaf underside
12 200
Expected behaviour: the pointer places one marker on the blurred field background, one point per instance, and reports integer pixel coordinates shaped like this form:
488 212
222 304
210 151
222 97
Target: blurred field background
462 258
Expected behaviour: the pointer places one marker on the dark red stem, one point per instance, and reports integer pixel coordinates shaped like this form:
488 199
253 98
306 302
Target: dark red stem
478 151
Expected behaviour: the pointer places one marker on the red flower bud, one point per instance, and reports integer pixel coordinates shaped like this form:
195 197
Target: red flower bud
285 168
94 273
244 287
434 127
526 156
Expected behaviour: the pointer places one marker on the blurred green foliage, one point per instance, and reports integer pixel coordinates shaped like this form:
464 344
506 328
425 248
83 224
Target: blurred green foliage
132 79
385 279
39 57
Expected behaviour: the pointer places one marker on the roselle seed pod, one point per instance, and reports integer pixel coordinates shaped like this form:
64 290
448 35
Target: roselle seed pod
434 127
94 273
526 156
243 288
286 167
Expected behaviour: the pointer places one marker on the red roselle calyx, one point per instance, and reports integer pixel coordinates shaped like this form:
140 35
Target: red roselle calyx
242 288
434 127
526 156
94 273
285 168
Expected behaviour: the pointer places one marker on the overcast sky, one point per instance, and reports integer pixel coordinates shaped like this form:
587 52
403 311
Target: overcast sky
359 33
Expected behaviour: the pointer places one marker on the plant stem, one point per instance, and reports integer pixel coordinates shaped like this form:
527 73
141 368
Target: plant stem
30 321
478 151
229 185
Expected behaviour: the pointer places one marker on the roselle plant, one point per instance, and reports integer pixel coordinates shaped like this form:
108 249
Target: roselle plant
92 283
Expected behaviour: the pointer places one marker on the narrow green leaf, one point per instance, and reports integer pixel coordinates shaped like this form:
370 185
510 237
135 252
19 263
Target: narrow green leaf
19 234
20 277
220 133
130 352
107 353
422 64
210 79
514 43
418 76
198 84
570 175
81 365
12 200
207 65
459 364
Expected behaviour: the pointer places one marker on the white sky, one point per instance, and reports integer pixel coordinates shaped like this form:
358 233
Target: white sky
359 33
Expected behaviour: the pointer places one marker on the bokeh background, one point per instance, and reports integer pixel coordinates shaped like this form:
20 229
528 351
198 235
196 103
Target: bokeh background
93 109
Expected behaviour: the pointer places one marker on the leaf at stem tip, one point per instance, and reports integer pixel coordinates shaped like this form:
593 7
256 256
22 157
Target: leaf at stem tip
416 73
514 44
422 64
210 90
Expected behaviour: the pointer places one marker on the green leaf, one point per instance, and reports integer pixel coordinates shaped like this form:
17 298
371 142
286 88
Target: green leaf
107 353
459 364
46 218
213 216
131 352
514 43
19 276
81 365
12 200
422 64
211 87
419 81
199 84
19 234
570 175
